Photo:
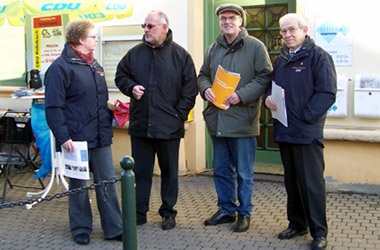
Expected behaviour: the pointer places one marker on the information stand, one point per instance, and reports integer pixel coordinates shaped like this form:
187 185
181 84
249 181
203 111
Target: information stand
56 166
56 174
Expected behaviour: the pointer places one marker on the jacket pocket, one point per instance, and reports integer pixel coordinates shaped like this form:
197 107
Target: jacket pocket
210 116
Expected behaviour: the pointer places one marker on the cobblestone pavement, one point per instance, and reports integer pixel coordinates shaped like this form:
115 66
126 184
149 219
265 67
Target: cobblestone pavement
353 220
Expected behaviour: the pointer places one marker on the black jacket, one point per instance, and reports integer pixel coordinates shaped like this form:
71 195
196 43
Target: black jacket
309 81
168 75
76 98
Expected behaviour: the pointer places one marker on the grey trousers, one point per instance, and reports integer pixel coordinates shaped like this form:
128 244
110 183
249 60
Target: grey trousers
80 215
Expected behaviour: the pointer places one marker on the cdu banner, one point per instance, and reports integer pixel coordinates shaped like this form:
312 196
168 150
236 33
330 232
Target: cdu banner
96 10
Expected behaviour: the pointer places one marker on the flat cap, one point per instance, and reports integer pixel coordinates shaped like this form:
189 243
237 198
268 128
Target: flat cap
230 7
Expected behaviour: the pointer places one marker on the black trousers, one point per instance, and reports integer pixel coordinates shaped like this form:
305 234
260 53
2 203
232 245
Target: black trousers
143 152
305 185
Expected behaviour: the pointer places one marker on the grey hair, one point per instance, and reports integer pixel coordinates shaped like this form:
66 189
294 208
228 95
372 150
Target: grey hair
164 18
301 20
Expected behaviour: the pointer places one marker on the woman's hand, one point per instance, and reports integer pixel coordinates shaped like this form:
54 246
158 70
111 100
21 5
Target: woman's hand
68 146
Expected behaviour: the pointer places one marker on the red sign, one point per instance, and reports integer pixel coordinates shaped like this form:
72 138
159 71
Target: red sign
50 21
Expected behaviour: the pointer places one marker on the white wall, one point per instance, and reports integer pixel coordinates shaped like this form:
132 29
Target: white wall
177 12
362 19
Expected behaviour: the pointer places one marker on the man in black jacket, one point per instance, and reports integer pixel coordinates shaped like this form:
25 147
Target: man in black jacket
159 77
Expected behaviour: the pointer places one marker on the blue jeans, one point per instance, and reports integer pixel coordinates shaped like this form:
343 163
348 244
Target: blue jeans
233 162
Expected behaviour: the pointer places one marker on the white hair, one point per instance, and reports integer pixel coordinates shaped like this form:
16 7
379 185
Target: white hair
301 20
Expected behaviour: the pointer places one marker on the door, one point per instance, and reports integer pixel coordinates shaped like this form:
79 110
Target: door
261 22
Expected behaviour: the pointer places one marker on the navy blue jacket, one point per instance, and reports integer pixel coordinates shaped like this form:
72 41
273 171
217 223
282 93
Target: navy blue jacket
76 98
309 81
168 75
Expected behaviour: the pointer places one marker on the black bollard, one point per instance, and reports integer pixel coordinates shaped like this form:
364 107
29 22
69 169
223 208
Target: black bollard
128 203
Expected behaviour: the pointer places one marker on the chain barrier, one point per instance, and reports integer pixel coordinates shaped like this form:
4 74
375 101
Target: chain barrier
63 194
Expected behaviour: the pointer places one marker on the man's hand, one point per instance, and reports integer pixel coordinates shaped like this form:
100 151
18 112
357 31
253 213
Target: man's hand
209 95
269 103
138 92
232 99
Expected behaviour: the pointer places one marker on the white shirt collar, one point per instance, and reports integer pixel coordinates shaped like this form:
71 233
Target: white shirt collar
295 51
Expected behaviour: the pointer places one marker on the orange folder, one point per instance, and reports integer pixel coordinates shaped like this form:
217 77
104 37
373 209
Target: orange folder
224 84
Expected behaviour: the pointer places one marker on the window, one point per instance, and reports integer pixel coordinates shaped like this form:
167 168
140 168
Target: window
115 43
12 51
262 23
112 53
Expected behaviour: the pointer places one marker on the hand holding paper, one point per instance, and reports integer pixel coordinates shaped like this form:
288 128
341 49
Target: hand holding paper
75 164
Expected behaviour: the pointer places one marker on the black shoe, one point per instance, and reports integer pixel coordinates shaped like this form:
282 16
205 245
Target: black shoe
242 224
140 221
290 233
319 243
118 238
82 239
219 218
168 223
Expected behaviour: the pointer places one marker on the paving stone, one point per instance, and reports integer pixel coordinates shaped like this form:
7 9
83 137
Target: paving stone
353 220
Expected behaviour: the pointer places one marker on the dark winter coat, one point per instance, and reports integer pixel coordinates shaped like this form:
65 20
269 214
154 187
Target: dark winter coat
309 81
248 57
76 98
168 75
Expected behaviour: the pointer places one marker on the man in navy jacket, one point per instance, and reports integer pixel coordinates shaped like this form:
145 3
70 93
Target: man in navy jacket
307 74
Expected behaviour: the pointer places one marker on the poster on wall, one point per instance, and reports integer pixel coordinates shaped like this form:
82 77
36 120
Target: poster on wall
336 39
48 41
340 107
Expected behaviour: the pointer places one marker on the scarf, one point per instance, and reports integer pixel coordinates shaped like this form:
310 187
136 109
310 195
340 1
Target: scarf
86 57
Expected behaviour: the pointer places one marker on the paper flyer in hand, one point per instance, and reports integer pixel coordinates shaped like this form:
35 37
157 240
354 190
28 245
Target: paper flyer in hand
278 96
75 164
224 84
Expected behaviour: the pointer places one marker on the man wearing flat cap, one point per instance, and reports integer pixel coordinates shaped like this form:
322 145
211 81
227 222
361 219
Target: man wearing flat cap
234 131
230 7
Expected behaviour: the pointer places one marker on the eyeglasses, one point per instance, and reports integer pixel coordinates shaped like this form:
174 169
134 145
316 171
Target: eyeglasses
149 26
291 30
225 18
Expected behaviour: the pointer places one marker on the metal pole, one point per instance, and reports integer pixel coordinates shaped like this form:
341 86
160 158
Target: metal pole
128 203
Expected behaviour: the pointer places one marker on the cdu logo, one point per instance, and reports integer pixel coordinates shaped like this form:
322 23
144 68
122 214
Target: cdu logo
116 6
93 16
60 6
2 8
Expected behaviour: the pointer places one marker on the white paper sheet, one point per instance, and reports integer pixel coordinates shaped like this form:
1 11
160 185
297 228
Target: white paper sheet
75 164
278 96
